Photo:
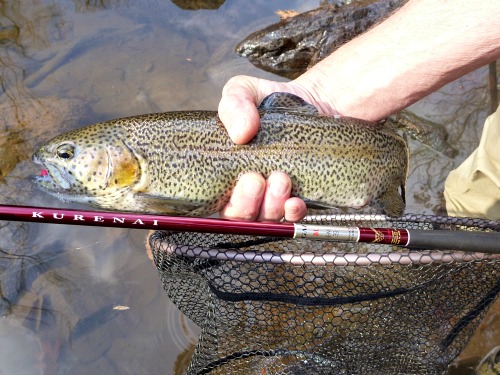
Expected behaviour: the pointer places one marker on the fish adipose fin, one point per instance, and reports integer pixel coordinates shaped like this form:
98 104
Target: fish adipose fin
285 102
167 205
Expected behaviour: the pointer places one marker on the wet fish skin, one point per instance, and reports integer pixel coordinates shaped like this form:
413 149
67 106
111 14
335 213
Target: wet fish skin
184 163
295 44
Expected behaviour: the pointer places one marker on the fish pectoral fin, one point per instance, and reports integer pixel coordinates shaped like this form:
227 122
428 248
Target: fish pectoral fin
166 205
314 205
285 102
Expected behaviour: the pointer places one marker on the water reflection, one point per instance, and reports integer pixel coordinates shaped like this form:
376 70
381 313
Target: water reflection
64 64
22 343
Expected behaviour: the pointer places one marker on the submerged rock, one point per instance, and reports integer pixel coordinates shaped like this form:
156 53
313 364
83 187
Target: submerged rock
198 4
293 45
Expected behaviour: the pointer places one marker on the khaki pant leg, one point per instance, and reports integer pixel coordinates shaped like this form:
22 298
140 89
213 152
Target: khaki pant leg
473 189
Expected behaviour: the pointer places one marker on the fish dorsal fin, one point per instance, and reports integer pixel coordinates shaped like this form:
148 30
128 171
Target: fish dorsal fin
285 102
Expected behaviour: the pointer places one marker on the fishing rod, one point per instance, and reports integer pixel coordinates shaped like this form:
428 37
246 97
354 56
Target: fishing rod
471 241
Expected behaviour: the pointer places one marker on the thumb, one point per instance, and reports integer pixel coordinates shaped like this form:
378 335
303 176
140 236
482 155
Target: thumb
238 105
237 108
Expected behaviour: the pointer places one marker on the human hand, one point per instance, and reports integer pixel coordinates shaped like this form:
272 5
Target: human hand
242 94
254 198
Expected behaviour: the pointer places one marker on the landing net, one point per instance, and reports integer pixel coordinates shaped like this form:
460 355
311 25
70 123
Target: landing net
279 306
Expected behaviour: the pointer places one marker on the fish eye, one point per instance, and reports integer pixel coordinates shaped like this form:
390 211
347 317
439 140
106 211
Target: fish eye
65 151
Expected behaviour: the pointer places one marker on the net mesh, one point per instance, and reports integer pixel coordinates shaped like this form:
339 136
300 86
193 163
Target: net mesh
279 306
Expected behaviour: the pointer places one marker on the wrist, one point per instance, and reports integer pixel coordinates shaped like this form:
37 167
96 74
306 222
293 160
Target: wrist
417 50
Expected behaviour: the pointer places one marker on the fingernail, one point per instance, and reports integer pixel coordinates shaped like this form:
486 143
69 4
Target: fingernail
279 189
236 128
253 187
294 211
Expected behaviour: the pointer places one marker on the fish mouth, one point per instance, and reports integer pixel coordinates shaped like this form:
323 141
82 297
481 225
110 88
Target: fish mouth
51 178
59 188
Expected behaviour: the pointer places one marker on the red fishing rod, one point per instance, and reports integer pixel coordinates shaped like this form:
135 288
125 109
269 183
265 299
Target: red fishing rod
485 242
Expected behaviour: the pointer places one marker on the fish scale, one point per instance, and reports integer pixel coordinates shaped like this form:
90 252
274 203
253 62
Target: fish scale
184 163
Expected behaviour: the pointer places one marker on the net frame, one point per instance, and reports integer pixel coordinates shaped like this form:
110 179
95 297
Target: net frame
283 306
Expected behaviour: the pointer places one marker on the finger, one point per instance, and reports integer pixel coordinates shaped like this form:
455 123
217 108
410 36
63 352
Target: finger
246 198
295 209
278 188
237 108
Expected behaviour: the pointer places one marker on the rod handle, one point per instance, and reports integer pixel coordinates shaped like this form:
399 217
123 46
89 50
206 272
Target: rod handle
472 241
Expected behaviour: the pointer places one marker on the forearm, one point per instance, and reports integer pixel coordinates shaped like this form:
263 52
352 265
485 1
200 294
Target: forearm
420 48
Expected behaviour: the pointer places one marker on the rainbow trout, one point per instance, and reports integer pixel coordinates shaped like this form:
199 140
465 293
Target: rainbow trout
184 163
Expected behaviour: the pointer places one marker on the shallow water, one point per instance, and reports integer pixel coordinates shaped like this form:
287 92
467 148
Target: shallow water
86 300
